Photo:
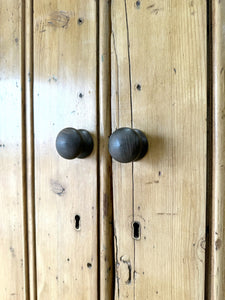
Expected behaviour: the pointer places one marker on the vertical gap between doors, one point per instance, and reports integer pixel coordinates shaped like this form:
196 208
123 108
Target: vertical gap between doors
98 150
105 226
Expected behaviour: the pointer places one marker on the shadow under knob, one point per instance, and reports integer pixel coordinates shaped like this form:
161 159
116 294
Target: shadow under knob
127 145
72 143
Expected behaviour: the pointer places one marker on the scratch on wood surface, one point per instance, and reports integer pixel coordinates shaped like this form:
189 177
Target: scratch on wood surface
117 80
129 63
56 19
126 260
59 19
151 182
153 9
156 11
167 214
117 264
150 6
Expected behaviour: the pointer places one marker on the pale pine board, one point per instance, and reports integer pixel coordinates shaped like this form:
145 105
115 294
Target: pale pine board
64 68
167 192
12 231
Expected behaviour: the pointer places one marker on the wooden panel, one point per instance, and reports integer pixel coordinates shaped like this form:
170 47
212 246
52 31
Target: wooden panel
159 86
12 201
217 284
65 96
105 191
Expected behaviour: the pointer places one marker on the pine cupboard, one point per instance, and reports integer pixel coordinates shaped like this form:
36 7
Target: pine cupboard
97 228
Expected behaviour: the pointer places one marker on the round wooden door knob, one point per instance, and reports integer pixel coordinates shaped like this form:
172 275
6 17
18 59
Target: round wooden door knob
72 143
127 145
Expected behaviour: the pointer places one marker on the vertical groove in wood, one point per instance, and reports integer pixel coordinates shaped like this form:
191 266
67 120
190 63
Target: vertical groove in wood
218 192
24 139
208 260
30 148
106 199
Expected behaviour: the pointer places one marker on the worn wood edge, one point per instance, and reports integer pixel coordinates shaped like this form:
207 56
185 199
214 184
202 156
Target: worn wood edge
30 192
217 265
106 199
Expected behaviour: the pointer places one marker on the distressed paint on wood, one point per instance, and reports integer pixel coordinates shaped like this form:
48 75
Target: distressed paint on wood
65 96
159 86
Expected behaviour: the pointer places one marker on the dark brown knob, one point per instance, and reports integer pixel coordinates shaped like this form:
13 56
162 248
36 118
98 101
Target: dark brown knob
126 145
72 143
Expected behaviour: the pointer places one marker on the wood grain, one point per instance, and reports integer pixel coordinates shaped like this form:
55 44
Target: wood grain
105 187
13 236
159 87
65 96
217 284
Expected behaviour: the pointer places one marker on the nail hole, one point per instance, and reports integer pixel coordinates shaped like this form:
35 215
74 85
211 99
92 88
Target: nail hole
77 222
80 21
136 230
138 87
89 265
138 4
81 95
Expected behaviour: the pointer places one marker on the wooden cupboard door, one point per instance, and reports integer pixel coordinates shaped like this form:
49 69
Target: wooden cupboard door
159 86
13 237
64 94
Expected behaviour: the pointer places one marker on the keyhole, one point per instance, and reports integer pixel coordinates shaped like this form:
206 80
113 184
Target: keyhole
77 222
136 230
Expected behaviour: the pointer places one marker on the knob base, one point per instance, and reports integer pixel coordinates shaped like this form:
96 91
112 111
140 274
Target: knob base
87 144
144 147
